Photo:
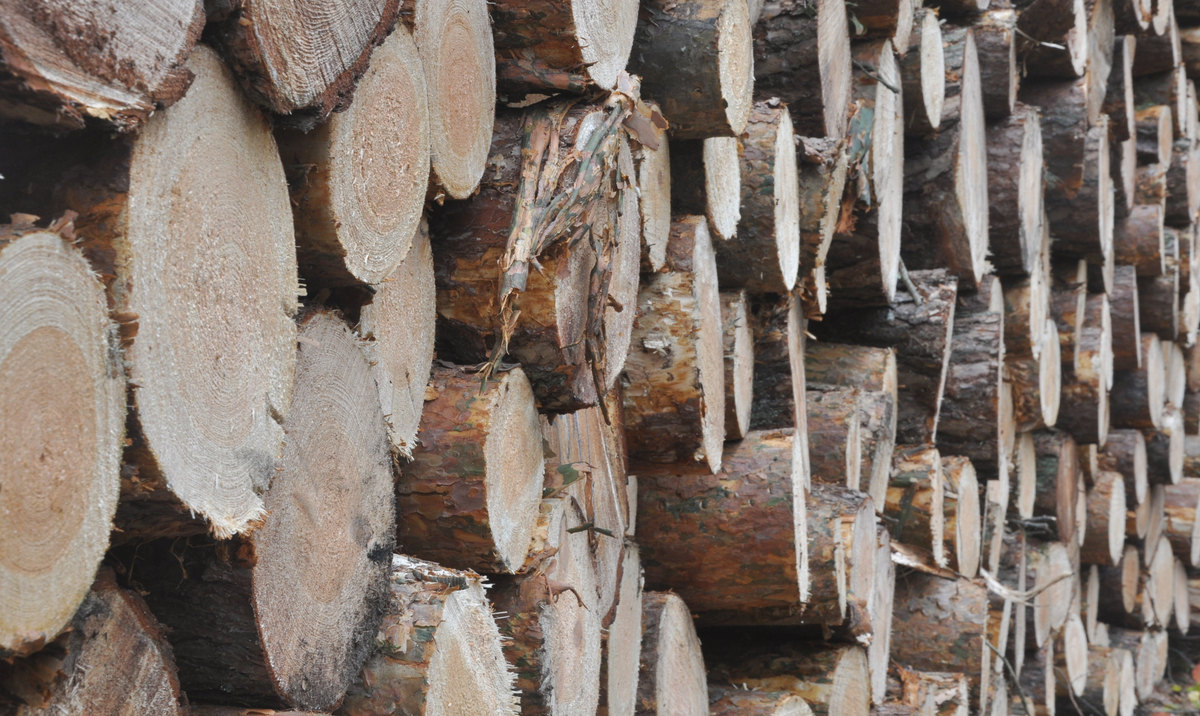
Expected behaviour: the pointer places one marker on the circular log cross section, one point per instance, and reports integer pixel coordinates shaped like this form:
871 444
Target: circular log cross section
358 187
671 678
315 582
62 419
455 42
470 497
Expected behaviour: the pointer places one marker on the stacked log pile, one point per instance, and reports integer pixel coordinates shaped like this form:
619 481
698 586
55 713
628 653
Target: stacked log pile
574 358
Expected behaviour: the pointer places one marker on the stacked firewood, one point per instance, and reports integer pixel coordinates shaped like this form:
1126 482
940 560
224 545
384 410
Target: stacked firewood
564 358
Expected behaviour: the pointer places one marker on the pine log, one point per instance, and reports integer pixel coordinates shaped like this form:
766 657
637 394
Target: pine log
738 349
623 640
1125 453
207 316
257 586
1037 382
1155 140
301 63
1168 86
834 442
1180 525
1055 492
939 623
1138 240
945 177
962 517
706 178
689 549
1026 310
654 188
63 63
708 91
1149 650
972 419
469 498
1015 210
1166 448
1158 304
921 334
842 558
1138 396
1068 306
1183 184
823 165
1158 51
1123 165
357 192
734 701
1119 598
671 677
1126 319
573 328
1118 95
62 418
678 339
923 76
995 39
832 678
399 326
779 379
764 256
1052 565
803 58
114 659
555 46
1105 537
1062 24
914 505
438 642
1075 135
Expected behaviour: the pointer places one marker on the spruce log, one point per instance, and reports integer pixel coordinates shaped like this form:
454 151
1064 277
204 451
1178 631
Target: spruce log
336 470
1126 319
706 178
1118 95
962 517
1181 526
940 622
469 498
674 398
1105 537
1138 240
1056 490
764 255
671 677
555 46
437 643
804 59
995 40
358 191
915 500
623 640
832 678
63 63
734 701
576 305
1138 396
399 326
822 172
834 429
1125 453
654 187
62 418
738 348
301 63
1015 210
923 76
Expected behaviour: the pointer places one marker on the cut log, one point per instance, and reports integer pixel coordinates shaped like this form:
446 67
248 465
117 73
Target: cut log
880 608
336 470
1123 164
832 678
1155 140
1126 321
804 59
1120 590
834 429
779 378
734 701
358 191
995 40
1105 537
946 694
399 326
1056 490
923 76
1015 210
470 497
1138 240
1182 615
707 91
1125 453
63 63
1065 26
1169 87
1155 524
934 615
655 184
706 178
690 550
207 316
575 46
1053 565
1165 449
886 19
842 559
1158 303
671 676
1118 95
1037 383
1026 309
921 334
1180 524
568 311
945 178
914 504
1024 459
62 418
301 63
674 398
822 178
438 644
1084 402
1138 396
1183 184
738 348
623 641
764 256
1158 51
1068 306
1175 374
1149 650
114 659
962 518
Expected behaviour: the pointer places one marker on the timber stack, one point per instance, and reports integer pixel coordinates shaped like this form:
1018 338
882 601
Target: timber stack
730 357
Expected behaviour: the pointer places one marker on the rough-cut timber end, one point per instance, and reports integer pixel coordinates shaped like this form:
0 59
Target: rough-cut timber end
738 342
671 676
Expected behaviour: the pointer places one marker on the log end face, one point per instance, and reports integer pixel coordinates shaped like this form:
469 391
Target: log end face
468 670
735 63
604 31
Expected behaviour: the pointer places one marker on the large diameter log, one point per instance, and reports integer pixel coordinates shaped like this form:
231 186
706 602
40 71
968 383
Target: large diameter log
623 640
706 91
923 76
1181 526
1138 396
399 326
921 334
469 498
62 418
115 659
550 46
565 319
1015 209
207 315
438 642
757 496
915 500
940 622
734 701
358 191
834 429
706 178
946 183
1125 453
1105 537
671 677
1126 321
764 256
119 63
737 342
674 398
297 62
831 678
805 61
995 40
336 470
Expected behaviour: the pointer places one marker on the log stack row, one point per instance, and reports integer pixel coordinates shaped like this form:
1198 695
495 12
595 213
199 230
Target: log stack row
565 358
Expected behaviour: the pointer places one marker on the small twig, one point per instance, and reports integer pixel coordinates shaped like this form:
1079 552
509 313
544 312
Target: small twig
870 73
910 286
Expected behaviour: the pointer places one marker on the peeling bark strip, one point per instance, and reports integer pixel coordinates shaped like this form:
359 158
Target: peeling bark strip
559 173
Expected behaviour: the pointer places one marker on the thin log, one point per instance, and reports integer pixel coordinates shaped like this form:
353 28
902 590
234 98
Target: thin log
1138 240
923 76
995 38
655 187
1105 538
671 677
738 348
962 517
1138 396
834 428
1118 95
1015 208
822 179
623 640
1056 491
1125 453
706 179
1181 527
914 505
